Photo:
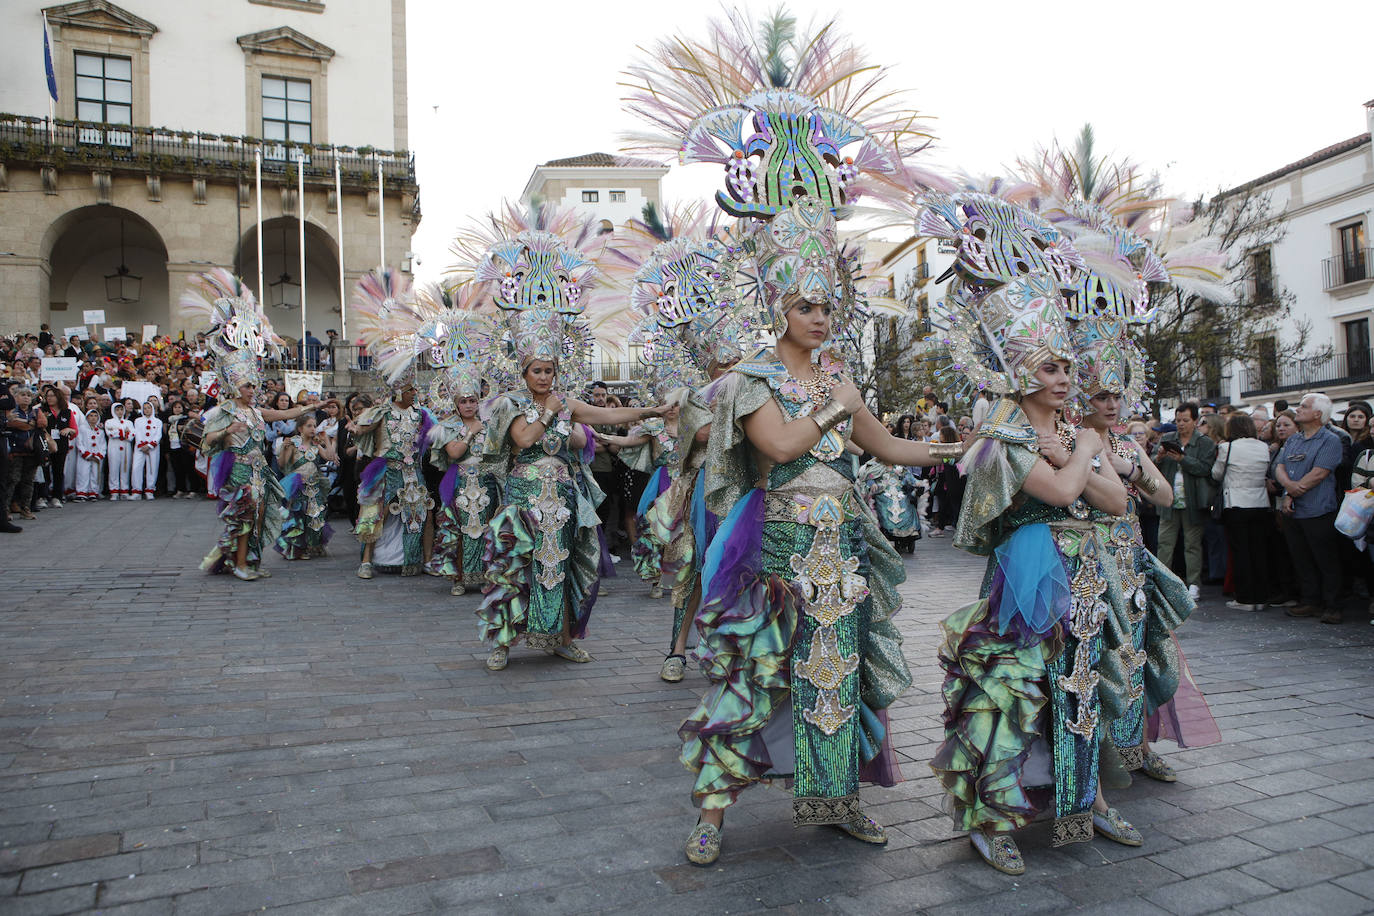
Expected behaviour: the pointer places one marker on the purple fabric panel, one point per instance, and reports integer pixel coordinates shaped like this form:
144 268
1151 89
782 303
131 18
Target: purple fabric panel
605 568
220 470
371 474
735 556
447 484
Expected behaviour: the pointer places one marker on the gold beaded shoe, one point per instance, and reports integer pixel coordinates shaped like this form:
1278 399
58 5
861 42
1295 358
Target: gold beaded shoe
1156 768
458 590
674 669
365 571
262 573
1116 828
572 652
864 829
1001 852
498 658
703 844
656 591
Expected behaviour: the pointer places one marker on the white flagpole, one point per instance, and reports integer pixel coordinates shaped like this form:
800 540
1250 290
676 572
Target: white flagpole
381 219
262 293
343 296
300 213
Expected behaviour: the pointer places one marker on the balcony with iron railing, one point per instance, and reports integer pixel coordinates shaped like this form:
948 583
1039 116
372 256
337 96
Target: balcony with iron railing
1313 372
59 144
1348 268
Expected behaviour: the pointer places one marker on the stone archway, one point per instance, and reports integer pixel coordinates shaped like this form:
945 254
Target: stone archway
281 255
82 247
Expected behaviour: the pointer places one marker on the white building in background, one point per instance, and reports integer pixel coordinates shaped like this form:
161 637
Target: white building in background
1324 259
613 189
162 106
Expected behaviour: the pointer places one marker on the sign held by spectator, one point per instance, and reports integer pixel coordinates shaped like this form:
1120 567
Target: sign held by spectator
149 332
139 391
93 316
294 382
58 369
115 334
79 333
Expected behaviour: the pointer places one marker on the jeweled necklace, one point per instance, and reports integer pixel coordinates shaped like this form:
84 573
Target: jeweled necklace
818 386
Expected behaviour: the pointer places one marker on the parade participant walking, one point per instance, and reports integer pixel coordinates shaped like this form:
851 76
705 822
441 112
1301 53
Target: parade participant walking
147 455
544 553
393 502
305 492
250 498
889 490
652 448
119 434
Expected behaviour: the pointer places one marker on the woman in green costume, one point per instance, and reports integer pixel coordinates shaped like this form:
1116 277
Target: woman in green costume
250 498
305 533
543 550
1022 712
795 626
468 496
651 447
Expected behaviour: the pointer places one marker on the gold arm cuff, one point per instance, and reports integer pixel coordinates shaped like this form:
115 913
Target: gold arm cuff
943 450
546 417
1147 483
829 413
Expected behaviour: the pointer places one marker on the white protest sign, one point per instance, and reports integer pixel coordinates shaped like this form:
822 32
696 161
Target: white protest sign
58 369
93 316
149 332
79 333
140 391
207 382
115 334
294 382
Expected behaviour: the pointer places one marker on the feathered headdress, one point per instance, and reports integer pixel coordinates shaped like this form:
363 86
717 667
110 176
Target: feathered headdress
1108 360
238 333
388 317
820 124
1004 312
538 267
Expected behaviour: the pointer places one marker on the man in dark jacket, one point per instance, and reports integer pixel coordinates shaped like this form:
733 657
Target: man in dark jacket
1185 459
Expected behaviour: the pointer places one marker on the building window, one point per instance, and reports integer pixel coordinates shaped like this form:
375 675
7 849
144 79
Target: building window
1357 362
1267 358
617 197
105 95
591 197
1262 275
285 110
1354 266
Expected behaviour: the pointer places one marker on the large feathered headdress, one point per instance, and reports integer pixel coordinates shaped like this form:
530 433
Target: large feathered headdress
388 316
238 332
794 115
538 268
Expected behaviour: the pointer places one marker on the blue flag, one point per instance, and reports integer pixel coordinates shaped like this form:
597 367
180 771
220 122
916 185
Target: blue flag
47 62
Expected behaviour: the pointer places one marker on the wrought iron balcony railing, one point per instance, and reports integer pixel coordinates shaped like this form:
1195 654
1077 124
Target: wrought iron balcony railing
158 150
1348 267
1312 372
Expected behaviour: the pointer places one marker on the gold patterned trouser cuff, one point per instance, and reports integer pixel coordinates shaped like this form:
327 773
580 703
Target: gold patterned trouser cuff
544 640
1076 828
814 811
1132 758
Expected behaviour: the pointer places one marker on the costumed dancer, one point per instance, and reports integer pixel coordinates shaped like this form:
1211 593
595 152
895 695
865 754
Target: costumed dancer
676 272
1022 713
393 502
543 548
305 488
119 436
250 498
796 630
90 455
459 345
147 452
1115 229
888 490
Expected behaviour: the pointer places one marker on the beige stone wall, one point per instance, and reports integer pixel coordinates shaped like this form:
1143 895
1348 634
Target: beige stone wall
197 236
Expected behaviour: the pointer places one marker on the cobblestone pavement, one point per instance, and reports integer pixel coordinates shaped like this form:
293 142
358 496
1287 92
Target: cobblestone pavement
177 744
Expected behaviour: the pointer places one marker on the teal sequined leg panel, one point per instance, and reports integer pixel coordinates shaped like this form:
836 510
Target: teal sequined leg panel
547 503
1074 704
1128 730
823 561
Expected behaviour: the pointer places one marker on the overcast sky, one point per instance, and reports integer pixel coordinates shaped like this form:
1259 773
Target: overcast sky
1209 92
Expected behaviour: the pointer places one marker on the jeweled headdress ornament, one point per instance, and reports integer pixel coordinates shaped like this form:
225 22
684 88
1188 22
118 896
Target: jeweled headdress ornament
1107 360
538 267
239 333
1004 313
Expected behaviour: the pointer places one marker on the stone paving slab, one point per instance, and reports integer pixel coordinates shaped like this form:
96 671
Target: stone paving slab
178 744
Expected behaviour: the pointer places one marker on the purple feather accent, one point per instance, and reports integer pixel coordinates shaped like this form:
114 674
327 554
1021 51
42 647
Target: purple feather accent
426 427
588 450
220 468
447 484
372 475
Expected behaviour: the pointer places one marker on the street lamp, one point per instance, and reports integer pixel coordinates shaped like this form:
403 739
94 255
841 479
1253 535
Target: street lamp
122 286
284 294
